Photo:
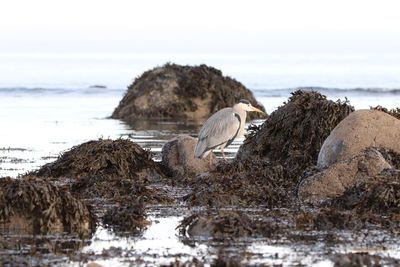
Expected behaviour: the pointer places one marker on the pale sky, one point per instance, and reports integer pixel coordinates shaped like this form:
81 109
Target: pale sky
177 25
206 15
268 44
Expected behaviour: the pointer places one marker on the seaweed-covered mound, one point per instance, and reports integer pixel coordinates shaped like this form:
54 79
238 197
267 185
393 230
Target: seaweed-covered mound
108 169
294 134
244 183
117 158
42 206
174 91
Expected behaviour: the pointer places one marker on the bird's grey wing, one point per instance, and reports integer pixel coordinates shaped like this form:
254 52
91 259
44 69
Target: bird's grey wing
222 127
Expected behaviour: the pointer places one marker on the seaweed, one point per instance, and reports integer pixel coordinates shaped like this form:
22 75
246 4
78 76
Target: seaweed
379 194
112 158
245 183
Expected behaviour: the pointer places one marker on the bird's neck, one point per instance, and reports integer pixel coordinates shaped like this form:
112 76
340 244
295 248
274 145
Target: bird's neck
242 113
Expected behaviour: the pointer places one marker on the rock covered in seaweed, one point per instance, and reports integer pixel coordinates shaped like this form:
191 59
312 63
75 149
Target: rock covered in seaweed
35 204
295 132
336 179
360 130
175 91
118 158
178 157
108 169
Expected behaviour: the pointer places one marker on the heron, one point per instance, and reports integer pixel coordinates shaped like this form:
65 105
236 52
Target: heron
222 128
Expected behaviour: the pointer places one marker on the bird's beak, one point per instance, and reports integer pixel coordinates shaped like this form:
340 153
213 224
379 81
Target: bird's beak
257 110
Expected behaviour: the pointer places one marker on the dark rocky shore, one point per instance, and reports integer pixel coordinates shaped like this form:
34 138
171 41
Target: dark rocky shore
311 166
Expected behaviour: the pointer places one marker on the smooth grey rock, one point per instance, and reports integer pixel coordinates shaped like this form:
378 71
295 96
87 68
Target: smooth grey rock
178 157
358 131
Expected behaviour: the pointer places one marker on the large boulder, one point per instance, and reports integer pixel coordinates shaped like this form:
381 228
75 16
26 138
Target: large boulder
341 176
178 157
360 130
174 91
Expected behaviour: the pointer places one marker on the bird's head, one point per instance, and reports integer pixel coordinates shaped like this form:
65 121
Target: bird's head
246 105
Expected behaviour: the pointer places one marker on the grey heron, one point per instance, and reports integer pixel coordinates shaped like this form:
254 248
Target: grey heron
222 128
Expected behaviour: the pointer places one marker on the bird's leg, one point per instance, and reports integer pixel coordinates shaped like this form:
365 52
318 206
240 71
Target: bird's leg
223 154
210 159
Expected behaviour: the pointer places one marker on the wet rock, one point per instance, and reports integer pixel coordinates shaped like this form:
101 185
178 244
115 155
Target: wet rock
178 157
341 176
360 130
40 207
294 133
108 169
174 91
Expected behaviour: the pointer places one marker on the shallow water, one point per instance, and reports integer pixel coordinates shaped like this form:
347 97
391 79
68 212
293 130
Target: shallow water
39 124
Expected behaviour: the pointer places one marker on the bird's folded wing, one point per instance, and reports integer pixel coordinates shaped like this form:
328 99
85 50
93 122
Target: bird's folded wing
220 128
